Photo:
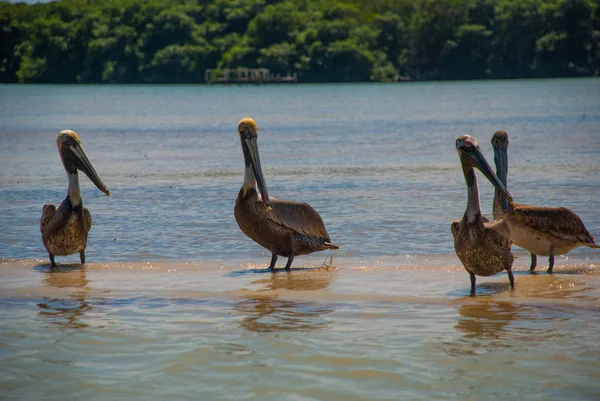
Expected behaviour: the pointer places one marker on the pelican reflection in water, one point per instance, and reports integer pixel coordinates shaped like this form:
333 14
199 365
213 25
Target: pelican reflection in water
486 319
285 228
484 327
264 312
65 230
483 248
545 231
68 307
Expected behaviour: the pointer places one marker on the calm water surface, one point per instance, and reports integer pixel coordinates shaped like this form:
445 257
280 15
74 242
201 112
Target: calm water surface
175 304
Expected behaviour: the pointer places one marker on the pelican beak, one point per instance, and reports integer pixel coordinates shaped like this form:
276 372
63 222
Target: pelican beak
83 163
483 166
252 145
500 158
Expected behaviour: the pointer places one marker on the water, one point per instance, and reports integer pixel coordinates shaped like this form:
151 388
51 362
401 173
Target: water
174 301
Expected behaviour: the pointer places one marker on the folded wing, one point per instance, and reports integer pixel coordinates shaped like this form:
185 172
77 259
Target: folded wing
560 222
297 216
48 211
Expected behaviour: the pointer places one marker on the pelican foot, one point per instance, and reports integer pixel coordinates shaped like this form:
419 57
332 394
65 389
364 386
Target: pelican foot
288 265
325 265
52 262
472 276
511 278
273 261
550 264
533 262
82 257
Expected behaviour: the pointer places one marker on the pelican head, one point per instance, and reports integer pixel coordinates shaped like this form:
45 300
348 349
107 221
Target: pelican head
500 139
74 158
500 145
248 132
471 157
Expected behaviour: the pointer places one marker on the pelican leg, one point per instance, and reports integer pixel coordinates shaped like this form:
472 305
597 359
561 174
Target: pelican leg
273 260
550 263
52 262
472 275
289 263
511 278
82 257
533 262
327 265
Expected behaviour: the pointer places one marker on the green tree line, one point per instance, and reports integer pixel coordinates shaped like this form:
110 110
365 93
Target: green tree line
144 41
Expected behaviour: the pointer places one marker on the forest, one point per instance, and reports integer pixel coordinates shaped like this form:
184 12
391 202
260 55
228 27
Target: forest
175 41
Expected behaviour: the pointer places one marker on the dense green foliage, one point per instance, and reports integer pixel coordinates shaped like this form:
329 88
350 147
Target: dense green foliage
322 40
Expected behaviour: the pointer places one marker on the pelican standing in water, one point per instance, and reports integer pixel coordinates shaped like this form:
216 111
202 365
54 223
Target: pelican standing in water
545 231
285 228
65 230
483 248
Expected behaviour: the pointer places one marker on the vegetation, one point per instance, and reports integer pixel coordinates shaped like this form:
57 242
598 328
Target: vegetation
140 41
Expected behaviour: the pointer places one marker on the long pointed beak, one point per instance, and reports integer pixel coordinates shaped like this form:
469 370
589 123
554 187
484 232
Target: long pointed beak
484 167
500 158
260 179
84 164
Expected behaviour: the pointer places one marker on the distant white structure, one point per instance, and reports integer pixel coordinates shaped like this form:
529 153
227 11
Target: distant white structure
247 75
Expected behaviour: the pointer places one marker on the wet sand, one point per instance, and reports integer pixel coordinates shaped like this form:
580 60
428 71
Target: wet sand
228 330
402 279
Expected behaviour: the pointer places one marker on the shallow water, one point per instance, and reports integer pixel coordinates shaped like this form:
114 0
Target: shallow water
174 301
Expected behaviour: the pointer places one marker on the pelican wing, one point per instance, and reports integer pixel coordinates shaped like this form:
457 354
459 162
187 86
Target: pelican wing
455 226
88 218
498 233
300 217
558 222
48 211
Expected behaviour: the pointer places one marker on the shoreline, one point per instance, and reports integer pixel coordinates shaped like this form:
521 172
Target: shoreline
296 84
579 259
178 281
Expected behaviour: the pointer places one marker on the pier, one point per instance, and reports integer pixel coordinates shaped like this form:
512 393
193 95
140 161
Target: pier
247 75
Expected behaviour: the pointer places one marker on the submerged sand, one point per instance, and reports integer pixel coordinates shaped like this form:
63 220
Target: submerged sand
360 329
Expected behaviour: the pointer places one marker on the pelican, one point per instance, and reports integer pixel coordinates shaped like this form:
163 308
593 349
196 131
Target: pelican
483 248
545 231
285 228
65 230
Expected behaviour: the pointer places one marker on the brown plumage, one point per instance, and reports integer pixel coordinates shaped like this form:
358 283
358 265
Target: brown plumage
483 248
65 230
456 225
545 231
285 228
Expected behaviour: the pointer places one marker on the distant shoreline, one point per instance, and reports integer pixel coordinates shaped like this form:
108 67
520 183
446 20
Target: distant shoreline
315 41
254 84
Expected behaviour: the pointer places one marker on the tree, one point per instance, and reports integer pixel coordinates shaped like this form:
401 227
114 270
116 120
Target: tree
466 55
322 40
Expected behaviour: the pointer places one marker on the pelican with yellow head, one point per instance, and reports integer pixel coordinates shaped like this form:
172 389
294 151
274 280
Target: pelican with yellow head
286 228
65 229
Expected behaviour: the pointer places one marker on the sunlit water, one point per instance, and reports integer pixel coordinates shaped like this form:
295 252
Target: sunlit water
174 302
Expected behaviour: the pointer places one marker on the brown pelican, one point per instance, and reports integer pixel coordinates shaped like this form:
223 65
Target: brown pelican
285 228
545 231
65 230
483 248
